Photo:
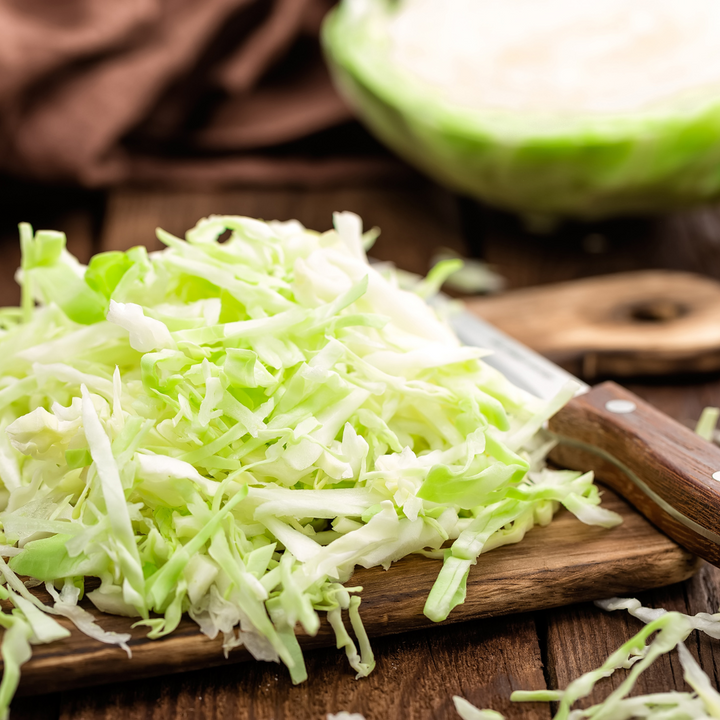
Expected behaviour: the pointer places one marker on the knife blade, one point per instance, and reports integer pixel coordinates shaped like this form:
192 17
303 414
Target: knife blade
517 362
669 473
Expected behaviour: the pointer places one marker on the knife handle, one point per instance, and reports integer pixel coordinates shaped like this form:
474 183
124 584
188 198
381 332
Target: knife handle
658 465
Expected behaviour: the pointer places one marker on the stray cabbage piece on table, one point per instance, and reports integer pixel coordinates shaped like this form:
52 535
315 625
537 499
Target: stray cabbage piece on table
228 429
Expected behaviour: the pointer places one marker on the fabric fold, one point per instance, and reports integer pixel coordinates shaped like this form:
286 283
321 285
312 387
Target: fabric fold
171 91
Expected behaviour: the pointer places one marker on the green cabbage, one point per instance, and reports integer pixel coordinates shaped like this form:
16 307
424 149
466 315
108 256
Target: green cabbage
228 429
586 161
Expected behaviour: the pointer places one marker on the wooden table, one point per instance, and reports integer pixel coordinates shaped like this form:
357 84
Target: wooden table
417 673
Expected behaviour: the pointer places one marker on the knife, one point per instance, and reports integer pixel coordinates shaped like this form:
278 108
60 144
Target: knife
669 473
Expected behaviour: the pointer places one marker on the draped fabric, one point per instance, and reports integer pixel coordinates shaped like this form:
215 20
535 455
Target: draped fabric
178 92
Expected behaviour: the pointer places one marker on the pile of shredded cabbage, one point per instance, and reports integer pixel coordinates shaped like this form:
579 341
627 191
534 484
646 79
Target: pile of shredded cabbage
228 429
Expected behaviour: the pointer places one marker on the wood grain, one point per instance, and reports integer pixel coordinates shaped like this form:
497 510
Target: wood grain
414 220
581 638
650 322
563 563
687 241
416 676
663 468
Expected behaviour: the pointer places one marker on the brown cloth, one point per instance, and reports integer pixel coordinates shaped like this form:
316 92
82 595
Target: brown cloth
178 92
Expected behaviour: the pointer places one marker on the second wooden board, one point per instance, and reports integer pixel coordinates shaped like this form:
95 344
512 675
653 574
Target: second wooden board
651 322
563 563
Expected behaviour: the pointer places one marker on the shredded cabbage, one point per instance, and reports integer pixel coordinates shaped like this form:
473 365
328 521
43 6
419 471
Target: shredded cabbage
670 630
707 423
228 429
467 711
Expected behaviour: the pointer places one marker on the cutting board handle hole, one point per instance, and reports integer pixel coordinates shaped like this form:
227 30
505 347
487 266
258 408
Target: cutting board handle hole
657 311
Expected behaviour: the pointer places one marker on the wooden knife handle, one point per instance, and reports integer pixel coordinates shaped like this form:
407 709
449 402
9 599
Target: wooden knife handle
658 465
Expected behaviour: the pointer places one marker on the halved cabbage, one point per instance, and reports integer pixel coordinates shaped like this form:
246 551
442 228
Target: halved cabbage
551 109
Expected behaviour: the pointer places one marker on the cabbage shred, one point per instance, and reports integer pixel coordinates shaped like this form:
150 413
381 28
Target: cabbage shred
228 429
663 632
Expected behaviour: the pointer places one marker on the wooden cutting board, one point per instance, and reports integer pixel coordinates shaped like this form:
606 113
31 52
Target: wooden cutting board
651 322
563 563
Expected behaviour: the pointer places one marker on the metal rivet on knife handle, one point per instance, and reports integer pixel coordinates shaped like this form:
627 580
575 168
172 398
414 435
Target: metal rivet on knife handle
664 469
620 407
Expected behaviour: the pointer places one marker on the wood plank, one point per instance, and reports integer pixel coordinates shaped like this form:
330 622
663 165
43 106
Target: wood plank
28 708
415 679
702 594
664 469
683 241
650 322
580 638
571 250
414 220
563 563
